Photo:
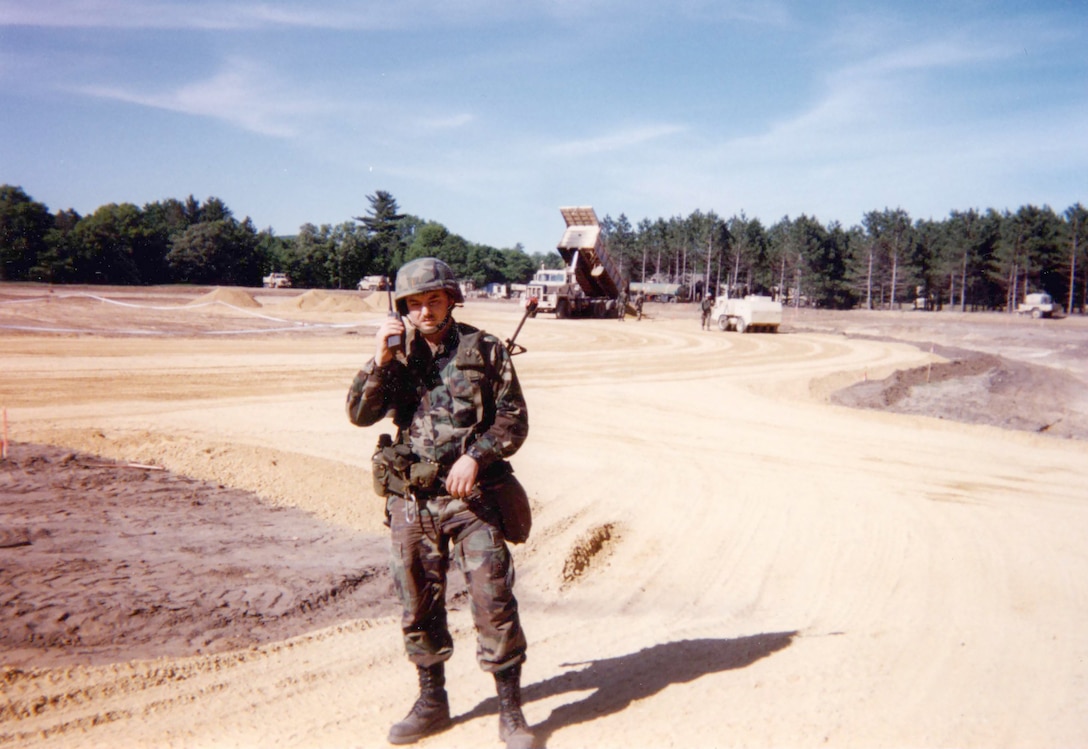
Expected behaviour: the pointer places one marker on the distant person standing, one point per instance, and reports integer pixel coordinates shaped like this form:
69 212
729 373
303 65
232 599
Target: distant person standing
622 304
639 298
705 306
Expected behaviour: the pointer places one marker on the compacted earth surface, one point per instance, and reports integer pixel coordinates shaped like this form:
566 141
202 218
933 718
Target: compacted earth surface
105 560
864 530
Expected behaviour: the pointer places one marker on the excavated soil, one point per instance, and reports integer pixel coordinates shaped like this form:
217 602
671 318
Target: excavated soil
980 388
101 561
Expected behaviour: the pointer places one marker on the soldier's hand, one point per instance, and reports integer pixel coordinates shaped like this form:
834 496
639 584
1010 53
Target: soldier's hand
462 477
389 326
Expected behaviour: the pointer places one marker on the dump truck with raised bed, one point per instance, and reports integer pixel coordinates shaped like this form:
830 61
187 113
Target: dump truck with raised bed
749 314
589 285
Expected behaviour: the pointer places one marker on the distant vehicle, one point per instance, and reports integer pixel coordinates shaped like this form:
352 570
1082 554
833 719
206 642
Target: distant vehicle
659 292
277 281
752 313
497 290
372 283
1037 305
589 285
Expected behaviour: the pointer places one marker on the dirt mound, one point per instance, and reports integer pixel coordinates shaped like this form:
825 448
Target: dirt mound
980 388
176 566
316 300
233 297
310 300
341 303
376 302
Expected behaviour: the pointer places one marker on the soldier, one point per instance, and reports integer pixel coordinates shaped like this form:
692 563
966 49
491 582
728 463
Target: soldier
454 396
705 307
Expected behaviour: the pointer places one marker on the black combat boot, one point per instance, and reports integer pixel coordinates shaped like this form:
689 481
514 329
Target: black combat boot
512 726
430 714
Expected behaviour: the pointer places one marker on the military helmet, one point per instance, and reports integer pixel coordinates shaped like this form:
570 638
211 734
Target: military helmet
422 275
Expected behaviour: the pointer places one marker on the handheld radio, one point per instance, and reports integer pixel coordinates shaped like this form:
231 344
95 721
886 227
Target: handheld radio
393 341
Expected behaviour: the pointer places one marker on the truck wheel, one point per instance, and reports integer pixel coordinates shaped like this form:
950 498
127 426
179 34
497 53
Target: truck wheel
723 323
1036 313
561 311
741 327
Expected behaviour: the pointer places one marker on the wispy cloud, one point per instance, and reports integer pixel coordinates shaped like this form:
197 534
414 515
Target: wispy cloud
240 94
881 101
762 12
616 141
220 15
360 14
448 122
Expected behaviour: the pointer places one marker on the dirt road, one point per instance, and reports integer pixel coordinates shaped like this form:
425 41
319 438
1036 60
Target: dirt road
721 556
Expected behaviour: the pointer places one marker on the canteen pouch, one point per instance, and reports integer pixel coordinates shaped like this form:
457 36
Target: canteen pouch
390 466
507 494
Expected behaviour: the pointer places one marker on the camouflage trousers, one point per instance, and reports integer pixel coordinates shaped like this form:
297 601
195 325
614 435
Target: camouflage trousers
424 538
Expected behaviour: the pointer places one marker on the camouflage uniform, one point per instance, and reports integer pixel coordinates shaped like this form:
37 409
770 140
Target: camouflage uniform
445 408
706 306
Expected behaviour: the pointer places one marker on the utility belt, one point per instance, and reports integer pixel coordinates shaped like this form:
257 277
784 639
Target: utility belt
397 470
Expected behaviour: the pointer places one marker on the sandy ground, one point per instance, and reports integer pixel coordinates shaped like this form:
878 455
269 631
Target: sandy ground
739 540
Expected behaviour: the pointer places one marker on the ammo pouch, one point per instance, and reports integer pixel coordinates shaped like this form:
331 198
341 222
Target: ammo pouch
396 470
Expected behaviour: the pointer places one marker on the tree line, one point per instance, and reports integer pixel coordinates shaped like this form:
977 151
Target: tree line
193 242
970 260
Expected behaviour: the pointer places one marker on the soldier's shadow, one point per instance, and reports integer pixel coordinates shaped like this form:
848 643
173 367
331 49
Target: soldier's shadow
619 681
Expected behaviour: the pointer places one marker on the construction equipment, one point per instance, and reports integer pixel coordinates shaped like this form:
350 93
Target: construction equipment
752 313
589 285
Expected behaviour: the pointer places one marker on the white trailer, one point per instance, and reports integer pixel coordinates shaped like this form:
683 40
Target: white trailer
752 313
1037 305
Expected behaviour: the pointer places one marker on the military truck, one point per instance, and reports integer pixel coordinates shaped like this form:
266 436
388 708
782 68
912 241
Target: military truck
277 281
1037 305
373 283
659 292
752 313
589 285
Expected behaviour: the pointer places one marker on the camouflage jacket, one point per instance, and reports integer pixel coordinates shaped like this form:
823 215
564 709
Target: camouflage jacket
465 398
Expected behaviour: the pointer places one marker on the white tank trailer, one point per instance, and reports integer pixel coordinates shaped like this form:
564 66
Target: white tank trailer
752 313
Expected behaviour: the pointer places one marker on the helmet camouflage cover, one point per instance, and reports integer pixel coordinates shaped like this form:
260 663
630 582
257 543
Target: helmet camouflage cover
422 275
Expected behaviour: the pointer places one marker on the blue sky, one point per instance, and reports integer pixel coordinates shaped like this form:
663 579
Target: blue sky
487 116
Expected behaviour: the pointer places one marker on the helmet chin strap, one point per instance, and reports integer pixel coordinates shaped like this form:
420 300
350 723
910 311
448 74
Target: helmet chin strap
445 320
442 325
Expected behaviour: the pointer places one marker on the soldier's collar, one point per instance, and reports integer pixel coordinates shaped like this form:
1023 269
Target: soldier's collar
450 340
